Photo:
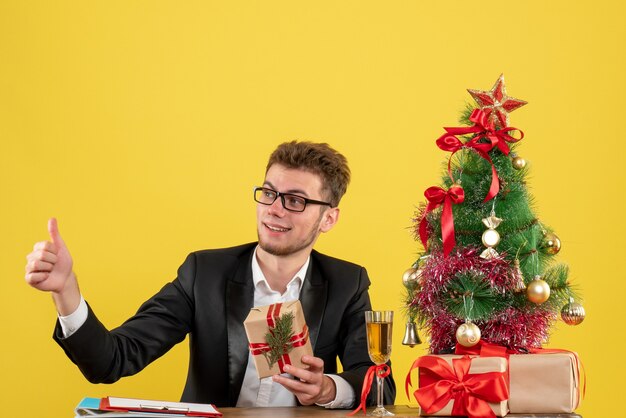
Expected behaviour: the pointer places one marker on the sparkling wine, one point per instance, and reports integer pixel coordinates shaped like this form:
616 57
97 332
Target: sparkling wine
379 341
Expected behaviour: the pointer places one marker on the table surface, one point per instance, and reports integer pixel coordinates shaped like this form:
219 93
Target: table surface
314 411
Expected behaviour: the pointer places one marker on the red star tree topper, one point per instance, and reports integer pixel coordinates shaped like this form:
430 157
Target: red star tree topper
496 104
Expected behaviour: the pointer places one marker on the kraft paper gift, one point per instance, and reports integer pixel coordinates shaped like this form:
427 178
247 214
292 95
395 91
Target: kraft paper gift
281 347
441 392
544 383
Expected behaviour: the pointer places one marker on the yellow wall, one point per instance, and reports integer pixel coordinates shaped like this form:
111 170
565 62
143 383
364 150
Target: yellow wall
143 125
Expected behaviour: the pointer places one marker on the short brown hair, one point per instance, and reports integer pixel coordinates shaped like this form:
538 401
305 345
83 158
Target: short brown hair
317 158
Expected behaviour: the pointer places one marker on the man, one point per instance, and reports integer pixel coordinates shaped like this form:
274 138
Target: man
215 290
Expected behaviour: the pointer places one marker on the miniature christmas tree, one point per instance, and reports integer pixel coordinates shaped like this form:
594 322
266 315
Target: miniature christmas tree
487 270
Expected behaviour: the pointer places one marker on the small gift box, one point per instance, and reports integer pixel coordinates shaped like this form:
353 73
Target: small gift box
454 385
277 336
544 383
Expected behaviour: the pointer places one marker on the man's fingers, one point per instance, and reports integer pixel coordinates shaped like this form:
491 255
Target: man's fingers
45 246
315 364
38 265
295 385
297 372
35 278
42 255
40 260
53 230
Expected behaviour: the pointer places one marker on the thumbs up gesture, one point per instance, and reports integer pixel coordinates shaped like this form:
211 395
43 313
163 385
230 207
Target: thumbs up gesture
49 267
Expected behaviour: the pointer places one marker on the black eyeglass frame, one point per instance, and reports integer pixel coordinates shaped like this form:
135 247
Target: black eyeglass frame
282 199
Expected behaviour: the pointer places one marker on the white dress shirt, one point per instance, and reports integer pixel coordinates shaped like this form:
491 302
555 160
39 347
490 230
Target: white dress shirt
254 391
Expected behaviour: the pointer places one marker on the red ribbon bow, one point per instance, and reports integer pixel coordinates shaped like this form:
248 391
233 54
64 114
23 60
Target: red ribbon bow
448 142
297 340
470 392
381 370
483 129
436 196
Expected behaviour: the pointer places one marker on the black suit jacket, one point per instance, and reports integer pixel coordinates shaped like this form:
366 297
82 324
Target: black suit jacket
209 300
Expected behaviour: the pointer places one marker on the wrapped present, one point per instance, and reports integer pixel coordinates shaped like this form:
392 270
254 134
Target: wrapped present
277 336
454 385
544 382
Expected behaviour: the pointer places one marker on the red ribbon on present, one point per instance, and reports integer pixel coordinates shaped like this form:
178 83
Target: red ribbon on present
436 196
470 392
381 370
297 340
484 349
487 349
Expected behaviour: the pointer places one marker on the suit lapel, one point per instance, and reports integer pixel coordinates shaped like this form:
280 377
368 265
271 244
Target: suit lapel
239 300
313 299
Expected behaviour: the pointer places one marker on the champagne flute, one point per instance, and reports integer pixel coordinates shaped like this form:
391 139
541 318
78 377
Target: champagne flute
379 325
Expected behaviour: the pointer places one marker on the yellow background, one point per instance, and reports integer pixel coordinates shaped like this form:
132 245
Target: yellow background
143 125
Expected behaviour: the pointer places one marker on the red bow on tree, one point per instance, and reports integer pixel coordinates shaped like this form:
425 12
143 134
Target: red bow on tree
470 392
449 142
483 129
436 196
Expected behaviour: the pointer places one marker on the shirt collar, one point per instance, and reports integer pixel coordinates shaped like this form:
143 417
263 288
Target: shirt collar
258 277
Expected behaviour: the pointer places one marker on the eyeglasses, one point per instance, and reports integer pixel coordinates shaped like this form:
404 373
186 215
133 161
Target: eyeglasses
291 202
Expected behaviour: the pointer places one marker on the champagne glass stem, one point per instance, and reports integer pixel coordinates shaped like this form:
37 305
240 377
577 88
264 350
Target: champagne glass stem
379 395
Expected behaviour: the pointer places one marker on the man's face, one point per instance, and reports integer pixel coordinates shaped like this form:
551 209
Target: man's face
282 232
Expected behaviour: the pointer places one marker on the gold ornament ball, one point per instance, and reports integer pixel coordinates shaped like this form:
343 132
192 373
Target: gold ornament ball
573 313
410 276
538 291
490 238
551 244
518 163
468 334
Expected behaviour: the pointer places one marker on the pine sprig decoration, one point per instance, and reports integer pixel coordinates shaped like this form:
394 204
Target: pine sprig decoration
278 338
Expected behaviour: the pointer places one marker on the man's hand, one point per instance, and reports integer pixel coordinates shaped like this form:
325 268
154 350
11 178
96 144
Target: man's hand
49 268
310 385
